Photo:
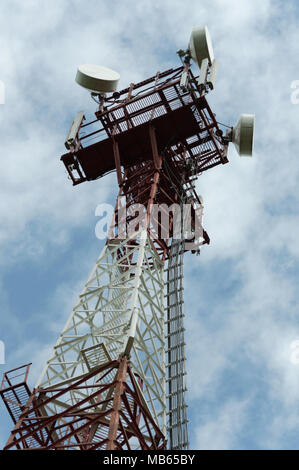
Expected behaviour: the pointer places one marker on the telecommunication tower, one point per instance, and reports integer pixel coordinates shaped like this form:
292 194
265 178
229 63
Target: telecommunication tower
116 377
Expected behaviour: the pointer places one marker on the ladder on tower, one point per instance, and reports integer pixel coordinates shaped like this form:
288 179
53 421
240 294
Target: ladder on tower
175 335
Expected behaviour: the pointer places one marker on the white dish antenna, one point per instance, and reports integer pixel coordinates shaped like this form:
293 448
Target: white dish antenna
242 135
200 45
97 79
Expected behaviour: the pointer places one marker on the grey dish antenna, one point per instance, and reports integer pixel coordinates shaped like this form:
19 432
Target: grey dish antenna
200 50
242 135
97 79
200 45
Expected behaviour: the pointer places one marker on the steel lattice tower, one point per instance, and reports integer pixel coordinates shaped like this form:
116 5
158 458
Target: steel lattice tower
116 376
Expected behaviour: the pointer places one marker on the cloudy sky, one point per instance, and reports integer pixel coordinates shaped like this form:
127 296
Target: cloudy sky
242 292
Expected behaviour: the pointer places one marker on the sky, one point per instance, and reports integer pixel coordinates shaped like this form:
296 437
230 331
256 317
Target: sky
241 293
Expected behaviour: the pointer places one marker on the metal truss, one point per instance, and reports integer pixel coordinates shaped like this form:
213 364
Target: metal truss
104 386
110 417
120 311
183 120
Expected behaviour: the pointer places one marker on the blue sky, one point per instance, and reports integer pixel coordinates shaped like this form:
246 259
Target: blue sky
241 294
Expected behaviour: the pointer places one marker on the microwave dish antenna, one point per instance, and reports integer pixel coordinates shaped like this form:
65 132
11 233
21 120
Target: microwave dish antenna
97 79
200 45
243 135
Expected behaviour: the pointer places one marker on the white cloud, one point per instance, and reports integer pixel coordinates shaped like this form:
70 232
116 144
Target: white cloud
222 428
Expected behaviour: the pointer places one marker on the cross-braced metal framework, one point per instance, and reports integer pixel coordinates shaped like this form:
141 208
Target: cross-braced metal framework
92 422
118 138
120 311
116 376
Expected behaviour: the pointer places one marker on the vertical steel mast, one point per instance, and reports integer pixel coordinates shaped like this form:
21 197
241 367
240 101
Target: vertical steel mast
116 377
